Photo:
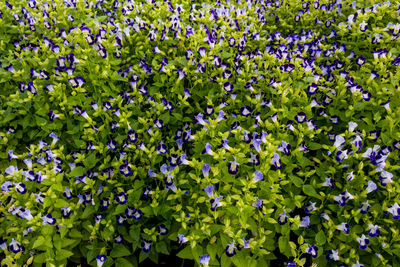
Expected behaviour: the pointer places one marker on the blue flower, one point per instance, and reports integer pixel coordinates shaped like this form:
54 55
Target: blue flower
305 222
209 190
20 188
15 246
343 197
374 230
100 259
258 204
364 241
182 239
230 249
329 182
137 215
332 255
310 207
11 170
206 170
395 211
204 260
312 250
48 219
300 117
121 198
344 227
285 148
146 245
258 176
215 203
246 111
276 161
120 219
66 212
98 217
125 169
162 230
118 239
11 155
233 167
282 218
341 155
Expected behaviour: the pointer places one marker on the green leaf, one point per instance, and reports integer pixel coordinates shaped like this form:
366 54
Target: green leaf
296 180
89 210
121 262
162 247
60 203
320 238
212 250
314 146
38 242
310 191
143 256
78 171
40 258
134 232
75 233
90 161
284 247
186 253
119 251
63 254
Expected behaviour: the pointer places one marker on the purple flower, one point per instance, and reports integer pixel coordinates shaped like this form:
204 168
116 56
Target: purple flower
48 219
374 230
233 167
360 60
258 176
312 250
162 230
202 51
364 241
300 117
125 169
206 170
258 204
305 222
209 190
395 211
182 239
120 219
20 188
285 148
363 26
100 259
246 111
15 246
230 249
121 198
344 227
282 218
181 74
276 161
343 197
215 203
146 245
204 260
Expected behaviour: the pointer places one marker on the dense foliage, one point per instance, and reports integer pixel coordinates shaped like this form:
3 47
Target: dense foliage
252 133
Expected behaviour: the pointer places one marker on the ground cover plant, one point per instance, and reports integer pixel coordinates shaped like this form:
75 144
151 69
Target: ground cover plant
245 133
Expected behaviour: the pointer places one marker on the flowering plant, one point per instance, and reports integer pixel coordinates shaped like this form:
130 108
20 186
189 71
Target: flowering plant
229 132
